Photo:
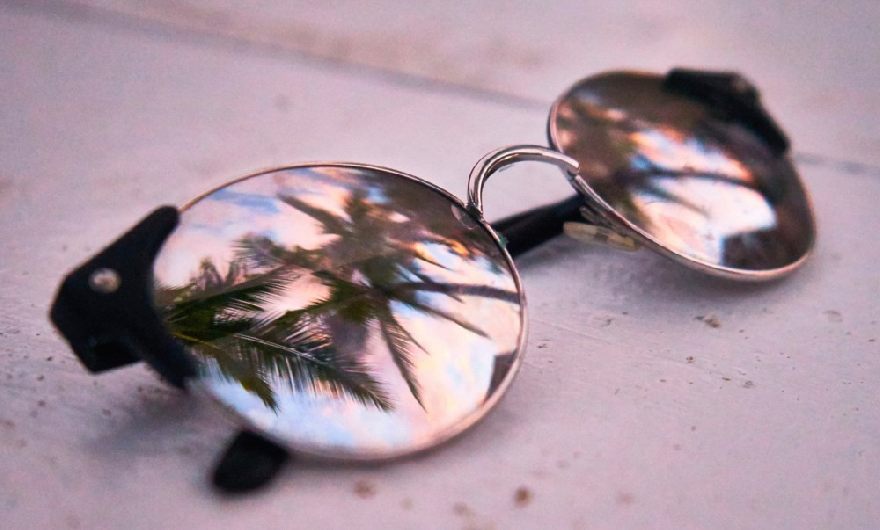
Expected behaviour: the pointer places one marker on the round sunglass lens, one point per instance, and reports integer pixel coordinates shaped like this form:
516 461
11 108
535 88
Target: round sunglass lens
347 311
703 188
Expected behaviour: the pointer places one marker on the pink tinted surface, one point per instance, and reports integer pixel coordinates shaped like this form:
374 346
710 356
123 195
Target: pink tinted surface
629 411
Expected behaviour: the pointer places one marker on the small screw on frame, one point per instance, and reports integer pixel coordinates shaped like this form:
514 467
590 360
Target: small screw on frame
104 281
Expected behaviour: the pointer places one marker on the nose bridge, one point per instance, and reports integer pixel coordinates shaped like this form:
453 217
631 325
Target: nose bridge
506 156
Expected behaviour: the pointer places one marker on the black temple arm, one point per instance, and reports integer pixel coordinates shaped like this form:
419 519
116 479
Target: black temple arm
104 308
250 462
730 96
525 231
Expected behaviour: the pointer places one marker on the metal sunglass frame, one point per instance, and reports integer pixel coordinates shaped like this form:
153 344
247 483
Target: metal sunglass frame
104 307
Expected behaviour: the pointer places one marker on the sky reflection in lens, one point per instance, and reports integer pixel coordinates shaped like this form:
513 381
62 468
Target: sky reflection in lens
346 310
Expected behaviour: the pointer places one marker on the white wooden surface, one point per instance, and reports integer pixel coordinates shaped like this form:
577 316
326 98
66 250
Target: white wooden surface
629 412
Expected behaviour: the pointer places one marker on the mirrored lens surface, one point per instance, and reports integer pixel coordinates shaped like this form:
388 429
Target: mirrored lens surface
347 311
707 191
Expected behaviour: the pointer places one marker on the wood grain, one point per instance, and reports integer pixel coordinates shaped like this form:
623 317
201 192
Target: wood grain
631 411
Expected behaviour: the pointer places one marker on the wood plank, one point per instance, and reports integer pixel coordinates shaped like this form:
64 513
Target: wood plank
629 412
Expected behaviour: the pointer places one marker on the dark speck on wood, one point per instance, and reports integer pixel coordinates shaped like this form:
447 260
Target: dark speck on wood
364 489
522 496
710 320
625 499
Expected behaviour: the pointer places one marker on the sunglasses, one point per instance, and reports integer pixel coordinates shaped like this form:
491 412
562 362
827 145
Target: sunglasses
354 312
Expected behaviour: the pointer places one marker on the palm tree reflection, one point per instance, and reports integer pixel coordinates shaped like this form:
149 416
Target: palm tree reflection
655 159
376 263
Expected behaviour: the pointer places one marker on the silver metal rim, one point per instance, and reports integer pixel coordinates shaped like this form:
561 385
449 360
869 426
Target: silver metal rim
503 157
